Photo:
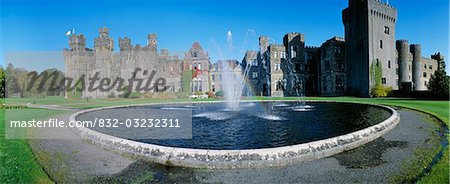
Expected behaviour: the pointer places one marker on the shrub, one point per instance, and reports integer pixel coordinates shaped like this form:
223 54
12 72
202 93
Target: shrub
380 91
210 94
111 95
135 95
220 93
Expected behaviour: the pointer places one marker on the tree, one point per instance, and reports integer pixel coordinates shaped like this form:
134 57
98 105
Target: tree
439 84
12 85
52 86
2 82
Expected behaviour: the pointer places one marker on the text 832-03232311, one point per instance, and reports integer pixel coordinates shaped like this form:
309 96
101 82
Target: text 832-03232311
137 123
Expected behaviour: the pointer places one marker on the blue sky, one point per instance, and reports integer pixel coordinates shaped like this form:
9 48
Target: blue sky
41 25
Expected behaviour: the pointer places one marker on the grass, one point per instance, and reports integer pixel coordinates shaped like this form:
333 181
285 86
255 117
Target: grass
440 109
19 164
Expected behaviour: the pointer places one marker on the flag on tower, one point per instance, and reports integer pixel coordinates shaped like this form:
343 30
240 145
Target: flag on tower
70 32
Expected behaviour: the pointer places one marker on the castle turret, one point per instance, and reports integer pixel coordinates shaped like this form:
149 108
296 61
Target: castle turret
77 42
263 43
293 42
103 41
125 44
403 61
152 41
416 52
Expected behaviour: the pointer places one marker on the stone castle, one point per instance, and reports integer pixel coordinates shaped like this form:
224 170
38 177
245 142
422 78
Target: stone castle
369 55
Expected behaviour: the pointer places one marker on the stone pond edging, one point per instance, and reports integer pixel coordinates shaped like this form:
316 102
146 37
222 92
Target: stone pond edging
248 158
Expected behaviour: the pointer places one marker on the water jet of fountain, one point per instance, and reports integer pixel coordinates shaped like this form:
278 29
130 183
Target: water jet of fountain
233 81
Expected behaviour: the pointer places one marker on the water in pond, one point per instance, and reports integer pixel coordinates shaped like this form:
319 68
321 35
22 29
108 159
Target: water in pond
260 125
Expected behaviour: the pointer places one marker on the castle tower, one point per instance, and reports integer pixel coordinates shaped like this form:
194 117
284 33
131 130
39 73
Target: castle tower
77 42
152 41
263 44
125 44
403 61
103 42
416 52
370 40
293 42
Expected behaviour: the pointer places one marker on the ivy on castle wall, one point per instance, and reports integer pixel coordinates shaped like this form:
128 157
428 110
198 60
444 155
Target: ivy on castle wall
376 72
186 80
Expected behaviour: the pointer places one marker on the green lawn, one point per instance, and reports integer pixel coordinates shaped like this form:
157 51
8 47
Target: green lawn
440 109
19 164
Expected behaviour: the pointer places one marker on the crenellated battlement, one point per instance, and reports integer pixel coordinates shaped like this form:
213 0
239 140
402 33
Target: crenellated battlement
402 41
311 47
77 42
103 30
387 5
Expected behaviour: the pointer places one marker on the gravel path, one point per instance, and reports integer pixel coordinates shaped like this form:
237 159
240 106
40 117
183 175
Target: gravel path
73 160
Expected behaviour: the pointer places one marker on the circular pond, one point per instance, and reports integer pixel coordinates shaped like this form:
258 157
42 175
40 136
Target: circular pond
252 126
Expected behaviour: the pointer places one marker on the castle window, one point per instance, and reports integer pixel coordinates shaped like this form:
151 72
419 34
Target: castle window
425 74
425 66
213 77
378 63
383 80
337 50
275 54
381 44
277 66
255 75
431 67
255 62
386 30
293 51
389 64
283 55
297 68
194 54
278 85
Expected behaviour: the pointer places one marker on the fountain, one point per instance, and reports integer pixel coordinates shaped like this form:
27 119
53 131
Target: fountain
233 82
